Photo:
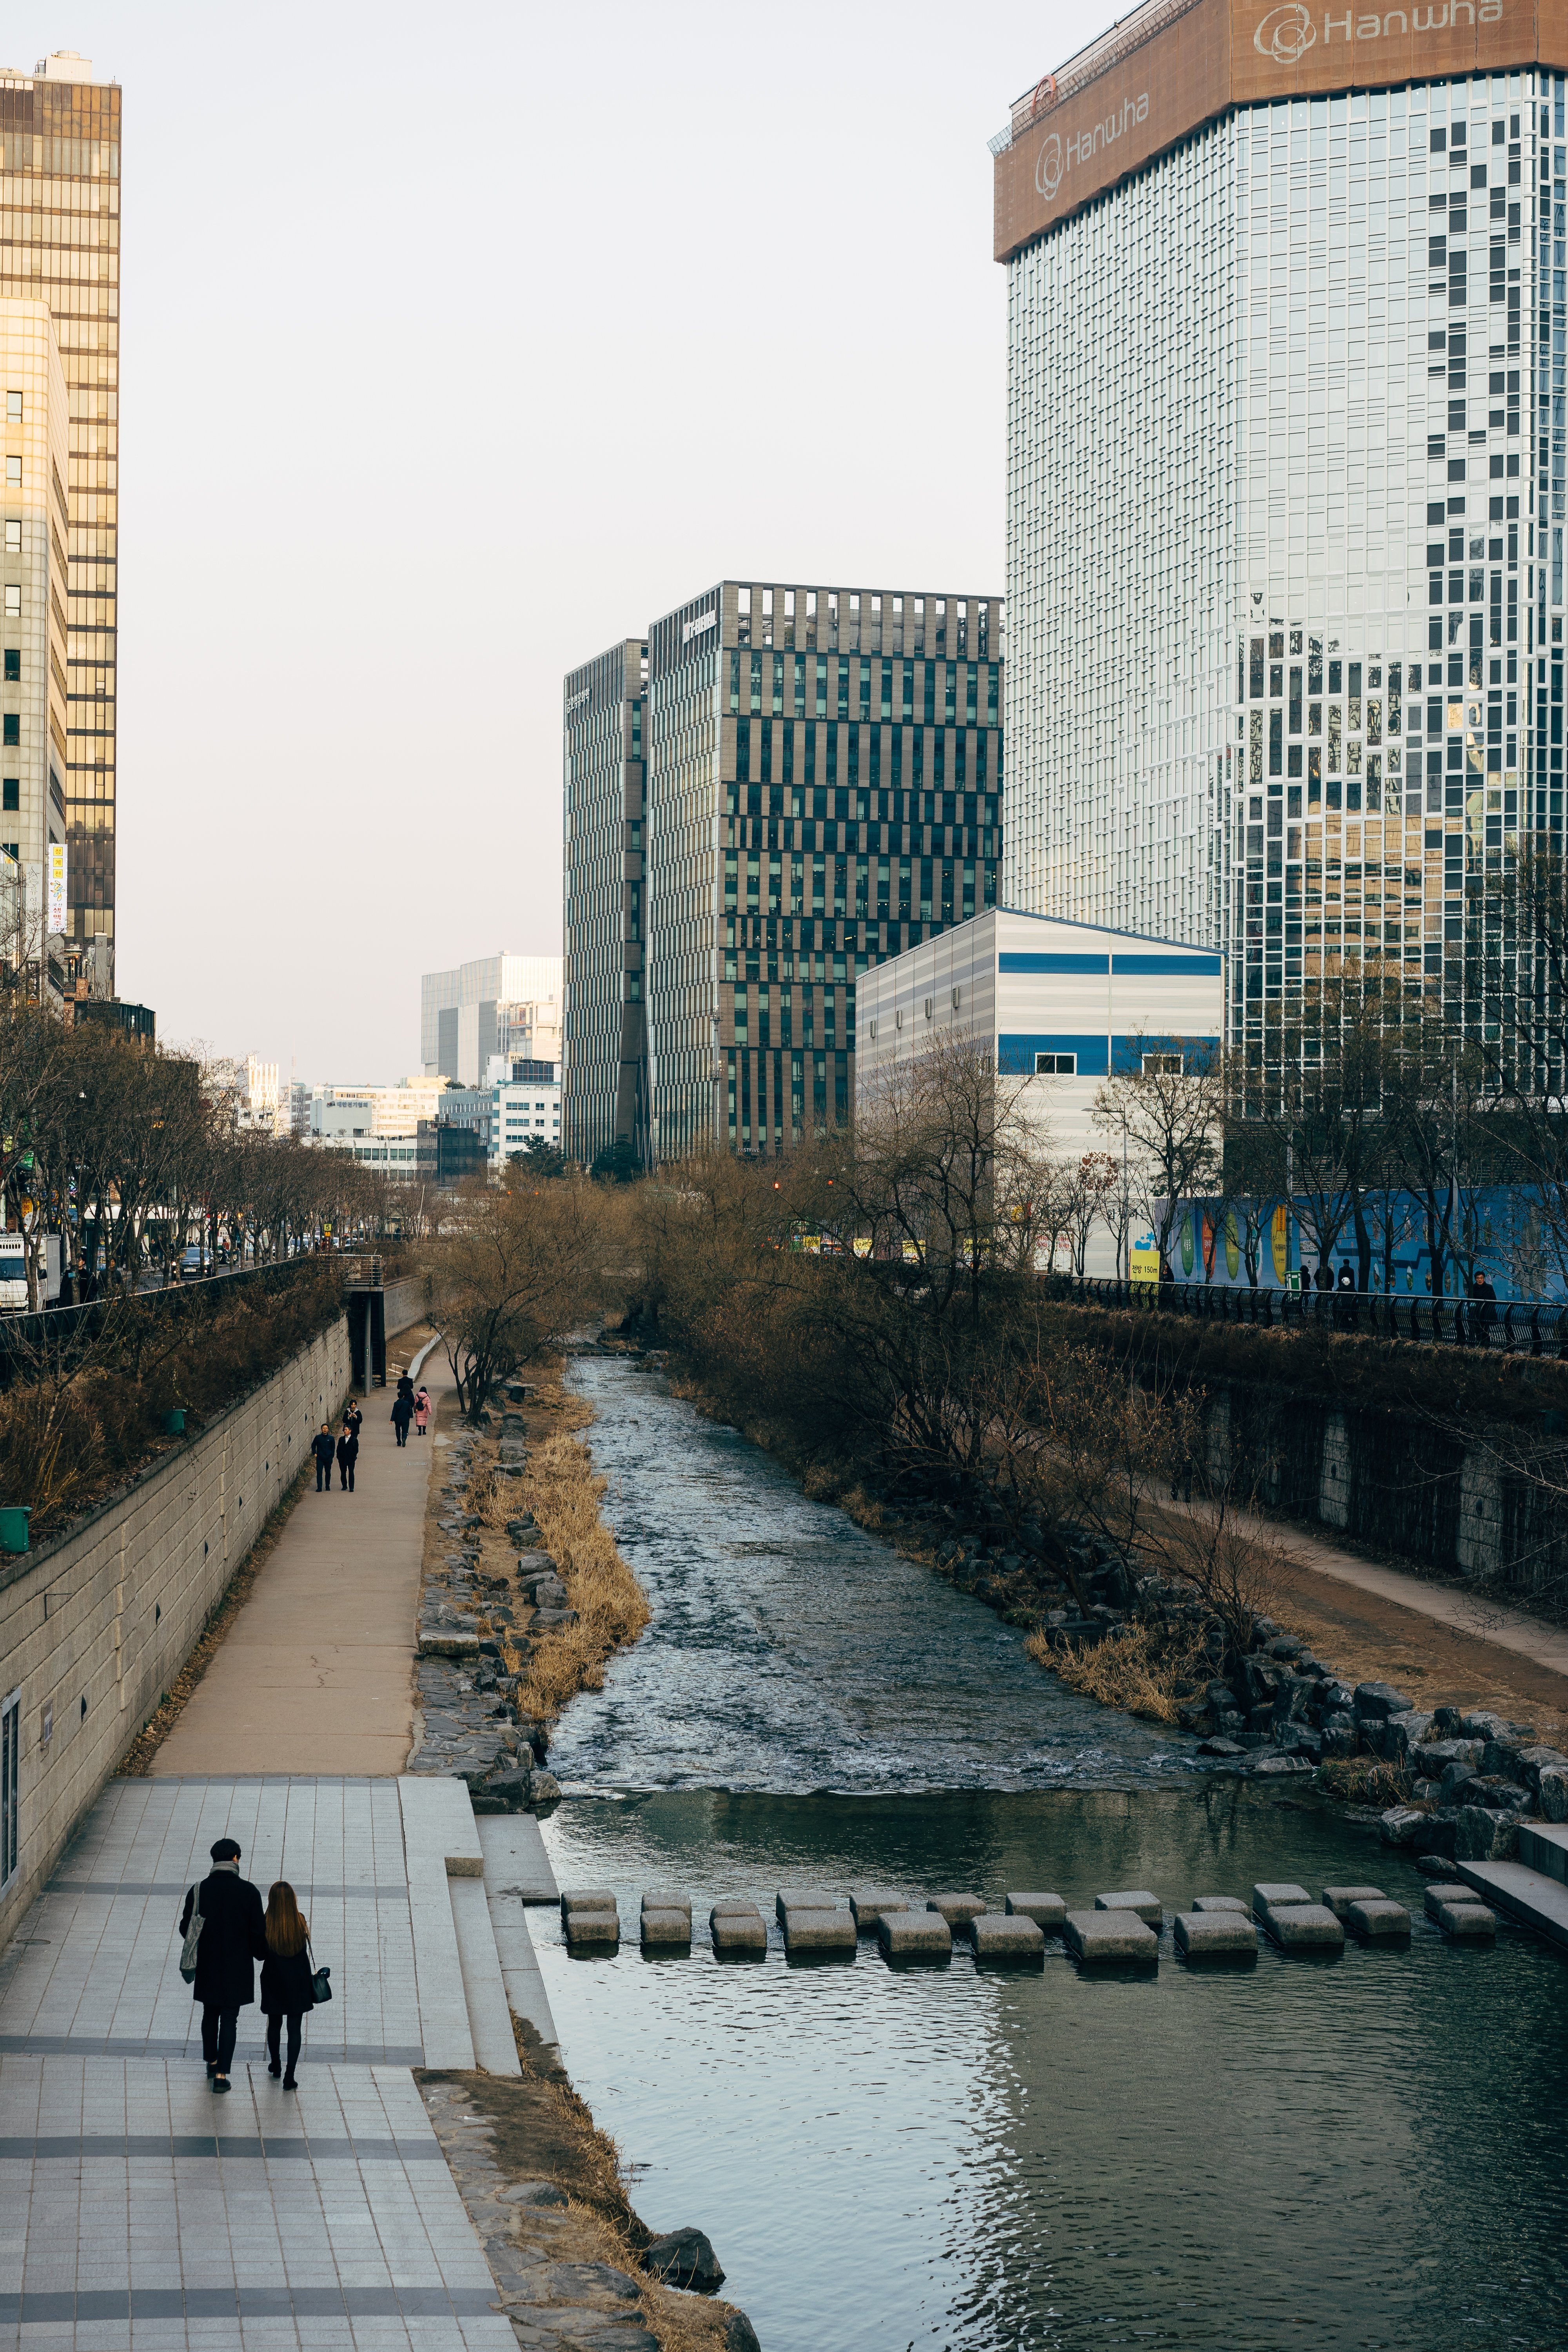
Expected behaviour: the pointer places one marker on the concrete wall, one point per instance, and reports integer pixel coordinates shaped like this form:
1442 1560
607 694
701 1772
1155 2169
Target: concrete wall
406 1303
94 1628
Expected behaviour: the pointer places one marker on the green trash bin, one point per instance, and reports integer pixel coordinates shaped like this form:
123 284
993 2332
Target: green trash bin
174 1421
14 1517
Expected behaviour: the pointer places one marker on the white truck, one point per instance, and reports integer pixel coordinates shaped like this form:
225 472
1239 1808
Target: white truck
13 1271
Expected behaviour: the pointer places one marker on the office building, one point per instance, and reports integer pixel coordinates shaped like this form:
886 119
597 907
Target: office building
33 697
605 1046
59 246
1062 1003
255 1097
822 787
503 1005
1286 487
525 1111
349 1114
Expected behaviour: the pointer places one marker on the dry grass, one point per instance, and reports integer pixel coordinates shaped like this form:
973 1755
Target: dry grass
136 1764
1132 1670
1364 1780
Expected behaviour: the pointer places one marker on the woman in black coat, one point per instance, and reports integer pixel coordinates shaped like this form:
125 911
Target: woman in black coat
287 1991
233 1938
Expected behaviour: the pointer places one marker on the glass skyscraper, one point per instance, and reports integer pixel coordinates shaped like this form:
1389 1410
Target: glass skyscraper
60 244
1286 489
819 786
603 1039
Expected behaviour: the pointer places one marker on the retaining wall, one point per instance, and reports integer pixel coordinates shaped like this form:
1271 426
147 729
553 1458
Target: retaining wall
1393 1484
94 1628
407 1303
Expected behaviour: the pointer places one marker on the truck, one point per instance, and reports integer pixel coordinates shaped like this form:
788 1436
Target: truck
13 1271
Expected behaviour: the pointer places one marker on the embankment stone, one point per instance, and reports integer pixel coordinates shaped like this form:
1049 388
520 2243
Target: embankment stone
684 2258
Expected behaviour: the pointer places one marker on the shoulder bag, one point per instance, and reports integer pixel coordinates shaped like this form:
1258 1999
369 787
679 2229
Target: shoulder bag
320 1979
188 1949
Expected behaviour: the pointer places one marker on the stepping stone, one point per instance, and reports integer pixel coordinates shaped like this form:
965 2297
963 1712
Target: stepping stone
1008 1935
1276 1890
956 1908
586 1899
1113 1934
870 1904
592 1928
1456 1910
735 1906
1221 1903
664 1901
1047 1911
1216 1935
819 1931
1137 1898
665 1931
803 1898
914 1936
1378 1921
739 1931
1304 1928
1340 1898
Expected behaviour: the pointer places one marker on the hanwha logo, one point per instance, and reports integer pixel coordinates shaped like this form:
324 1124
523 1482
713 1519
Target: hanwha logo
1049 170
1285 35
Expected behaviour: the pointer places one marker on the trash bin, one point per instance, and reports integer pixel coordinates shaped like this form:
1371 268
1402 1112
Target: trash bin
14 1517
174 1421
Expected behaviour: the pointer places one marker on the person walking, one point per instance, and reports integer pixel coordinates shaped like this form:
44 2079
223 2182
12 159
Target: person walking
322 1448
354 1420
422 1409
287 1989
348 1454
233 1938
401 1414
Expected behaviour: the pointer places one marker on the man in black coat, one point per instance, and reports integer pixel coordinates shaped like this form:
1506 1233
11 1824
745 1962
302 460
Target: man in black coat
348 1454
322 1447
233 1938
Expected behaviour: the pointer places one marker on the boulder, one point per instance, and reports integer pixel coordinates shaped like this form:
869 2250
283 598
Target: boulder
1480 1724
1274 1766
1553 1794
543 1789
1375 1701
1452 1778
1398 1733
1339 1736
532 2192
740 2335
1401 1825
1530 1763
1436 1844
1220 1748
1500 1795
552 1621
1433 1757
505 1793
1482 1835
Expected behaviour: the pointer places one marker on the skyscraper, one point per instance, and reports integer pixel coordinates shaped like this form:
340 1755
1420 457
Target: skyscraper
33 695
606 1042
60 244
1285 486
822 786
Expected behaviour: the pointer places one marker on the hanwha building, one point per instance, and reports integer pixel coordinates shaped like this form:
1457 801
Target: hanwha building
1286 483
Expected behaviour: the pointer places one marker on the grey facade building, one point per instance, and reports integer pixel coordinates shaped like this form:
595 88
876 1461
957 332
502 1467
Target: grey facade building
605 1041
821 787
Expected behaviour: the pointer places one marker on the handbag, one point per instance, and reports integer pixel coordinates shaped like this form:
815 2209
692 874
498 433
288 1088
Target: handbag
320 1980
188 1949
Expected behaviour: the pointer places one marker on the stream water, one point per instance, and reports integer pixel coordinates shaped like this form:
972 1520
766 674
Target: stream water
1369 2152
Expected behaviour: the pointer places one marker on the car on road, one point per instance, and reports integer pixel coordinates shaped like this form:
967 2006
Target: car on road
195 1262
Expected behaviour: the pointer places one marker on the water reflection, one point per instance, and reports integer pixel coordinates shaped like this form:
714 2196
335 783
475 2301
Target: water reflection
788 1650
1368 2153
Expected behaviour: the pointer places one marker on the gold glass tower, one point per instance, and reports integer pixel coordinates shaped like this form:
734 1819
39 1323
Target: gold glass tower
60 244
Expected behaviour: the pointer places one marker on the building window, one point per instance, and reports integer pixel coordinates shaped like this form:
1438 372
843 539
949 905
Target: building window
1059 1066
13 665
13 591
1161 1065
13 730
14 473
12 789
14 547
13 408
10 1802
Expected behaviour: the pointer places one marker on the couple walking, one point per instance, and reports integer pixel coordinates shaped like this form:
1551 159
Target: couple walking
345 1452
232 1933
412 1405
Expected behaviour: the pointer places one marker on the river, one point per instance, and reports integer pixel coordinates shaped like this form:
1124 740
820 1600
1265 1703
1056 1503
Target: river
1364 2153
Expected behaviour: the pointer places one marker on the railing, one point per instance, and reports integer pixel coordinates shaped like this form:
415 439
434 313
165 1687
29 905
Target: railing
58 1332
1517 1326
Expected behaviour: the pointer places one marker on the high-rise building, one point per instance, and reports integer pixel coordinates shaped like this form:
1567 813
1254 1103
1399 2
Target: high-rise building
604 1078
60 245
33 695
1285 486
822 788
500 1004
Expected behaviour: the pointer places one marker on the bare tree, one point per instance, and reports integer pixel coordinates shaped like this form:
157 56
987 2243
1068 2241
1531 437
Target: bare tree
1165 1111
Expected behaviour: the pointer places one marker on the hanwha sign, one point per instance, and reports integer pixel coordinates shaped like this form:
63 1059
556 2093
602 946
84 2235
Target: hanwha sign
1049 170
1285 35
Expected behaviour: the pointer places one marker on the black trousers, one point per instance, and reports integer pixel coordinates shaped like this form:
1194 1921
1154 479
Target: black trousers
274 2025
219 2027
345 1477
402 1429
323 1477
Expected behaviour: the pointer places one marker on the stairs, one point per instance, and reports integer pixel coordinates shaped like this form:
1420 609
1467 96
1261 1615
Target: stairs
1534 1889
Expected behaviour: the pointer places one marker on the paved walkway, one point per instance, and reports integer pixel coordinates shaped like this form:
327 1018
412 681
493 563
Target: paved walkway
139 2211
316 1673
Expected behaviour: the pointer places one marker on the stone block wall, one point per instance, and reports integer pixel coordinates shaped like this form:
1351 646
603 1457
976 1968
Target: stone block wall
94 1627
406 1303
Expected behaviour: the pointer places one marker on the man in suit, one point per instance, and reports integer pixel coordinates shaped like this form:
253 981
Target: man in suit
322 1447
233 1938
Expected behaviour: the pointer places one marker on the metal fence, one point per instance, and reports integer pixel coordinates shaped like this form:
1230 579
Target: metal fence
1527 1326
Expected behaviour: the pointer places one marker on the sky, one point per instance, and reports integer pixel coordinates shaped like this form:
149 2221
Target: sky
455 348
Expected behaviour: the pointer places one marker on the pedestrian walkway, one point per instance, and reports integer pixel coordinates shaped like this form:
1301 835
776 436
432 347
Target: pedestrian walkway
316 1673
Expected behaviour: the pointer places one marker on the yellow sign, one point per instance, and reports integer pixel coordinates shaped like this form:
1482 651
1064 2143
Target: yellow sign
1282 1238
1145 1264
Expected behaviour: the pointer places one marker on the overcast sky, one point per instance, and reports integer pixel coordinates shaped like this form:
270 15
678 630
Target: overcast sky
457 345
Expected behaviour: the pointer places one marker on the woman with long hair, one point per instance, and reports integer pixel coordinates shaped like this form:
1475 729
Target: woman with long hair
286 1989
422 1409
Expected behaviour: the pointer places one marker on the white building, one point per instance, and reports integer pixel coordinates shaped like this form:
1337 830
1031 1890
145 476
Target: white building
502 1004
256 1100
343 1115
1061 1006
524 1111
1285 486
